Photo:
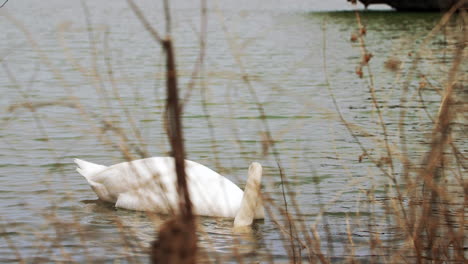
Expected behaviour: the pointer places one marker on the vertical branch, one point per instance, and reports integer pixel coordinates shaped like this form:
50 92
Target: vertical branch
177 242
175 129
176 137
179 233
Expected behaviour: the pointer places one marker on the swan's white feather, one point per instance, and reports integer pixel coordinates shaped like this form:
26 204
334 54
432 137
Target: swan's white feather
88 169
150 185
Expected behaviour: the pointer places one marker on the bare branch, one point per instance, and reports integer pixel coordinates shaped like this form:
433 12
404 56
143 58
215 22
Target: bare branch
145 22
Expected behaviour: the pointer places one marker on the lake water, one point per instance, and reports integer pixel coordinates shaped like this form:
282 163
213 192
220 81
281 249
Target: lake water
47 210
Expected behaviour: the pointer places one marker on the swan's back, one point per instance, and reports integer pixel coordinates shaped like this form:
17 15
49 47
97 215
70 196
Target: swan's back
211 193
150 185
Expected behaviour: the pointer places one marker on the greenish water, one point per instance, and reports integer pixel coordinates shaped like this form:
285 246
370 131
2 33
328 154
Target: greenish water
280 48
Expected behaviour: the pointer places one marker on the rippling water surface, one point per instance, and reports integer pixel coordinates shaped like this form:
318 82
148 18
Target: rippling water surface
48 54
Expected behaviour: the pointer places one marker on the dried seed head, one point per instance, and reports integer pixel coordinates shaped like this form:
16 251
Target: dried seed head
422 84
363 31
392 64
359 71
366 58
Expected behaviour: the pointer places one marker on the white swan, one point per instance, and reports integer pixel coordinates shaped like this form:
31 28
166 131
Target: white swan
150 185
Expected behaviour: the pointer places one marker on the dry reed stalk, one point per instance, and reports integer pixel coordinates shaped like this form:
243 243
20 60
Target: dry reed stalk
71 101
269 145
10 243
366 56
433 165
33 108
428 241
421 227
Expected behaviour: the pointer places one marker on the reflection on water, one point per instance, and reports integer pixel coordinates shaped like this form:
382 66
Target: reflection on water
45 205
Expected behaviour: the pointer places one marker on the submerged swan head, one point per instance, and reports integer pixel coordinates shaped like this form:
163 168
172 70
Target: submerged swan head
251 204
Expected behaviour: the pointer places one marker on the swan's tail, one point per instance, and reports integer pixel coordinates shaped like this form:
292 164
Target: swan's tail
88 169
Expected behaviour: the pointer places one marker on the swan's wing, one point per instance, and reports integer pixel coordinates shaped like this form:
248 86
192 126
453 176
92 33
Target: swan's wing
130 176
132 201
89 171
106 182
211 193
152 179
146 200
101 191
